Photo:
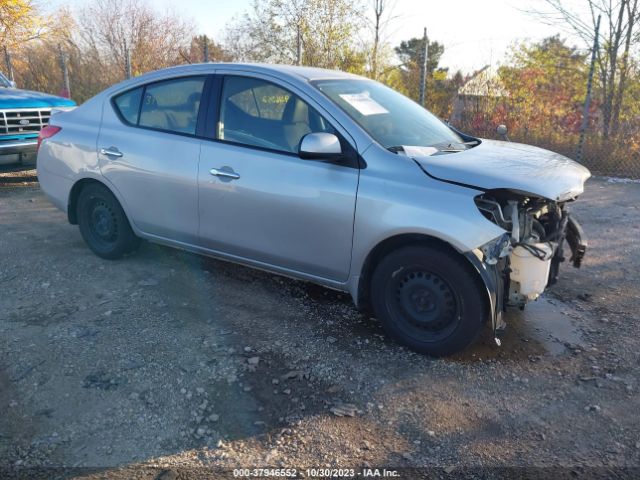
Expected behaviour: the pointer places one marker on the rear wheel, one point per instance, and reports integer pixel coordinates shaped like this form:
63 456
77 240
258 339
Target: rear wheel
103 224
428 299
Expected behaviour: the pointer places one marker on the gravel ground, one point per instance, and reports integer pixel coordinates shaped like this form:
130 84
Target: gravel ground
174 361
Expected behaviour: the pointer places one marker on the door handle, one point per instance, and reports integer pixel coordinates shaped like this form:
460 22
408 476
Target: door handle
111 152
224 172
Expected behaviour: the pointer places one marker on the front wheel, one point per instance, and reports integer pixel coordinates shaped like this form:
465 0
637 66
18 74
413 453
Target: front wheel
103 224
428 299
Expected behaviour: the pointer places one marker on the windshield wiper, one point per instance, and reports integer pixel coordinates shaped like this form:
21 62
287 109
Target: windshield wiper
453 147
396 148
449 149
443 147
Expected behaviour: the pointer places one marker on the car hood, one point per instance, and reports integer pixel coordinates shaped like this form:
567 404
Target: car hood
514 166
15 98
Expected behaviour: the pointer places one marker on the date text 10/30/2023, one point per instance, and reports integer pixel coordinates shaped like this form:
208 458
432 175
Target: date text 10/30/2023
316 473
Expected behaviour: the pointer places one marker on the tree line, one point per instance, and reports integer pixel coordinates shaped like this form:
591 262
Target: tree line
538 90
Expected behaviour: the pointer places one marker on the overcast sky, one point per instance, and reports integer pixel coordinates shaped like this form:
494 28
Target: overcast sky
474 32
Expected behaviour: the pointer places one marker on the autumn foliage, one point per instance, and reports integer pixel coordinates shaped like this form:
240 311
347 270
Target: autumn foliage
538 91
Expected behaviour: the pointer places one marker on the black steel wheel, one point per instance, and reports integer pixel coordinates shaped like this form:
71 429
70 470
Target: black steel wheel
428 299
103 224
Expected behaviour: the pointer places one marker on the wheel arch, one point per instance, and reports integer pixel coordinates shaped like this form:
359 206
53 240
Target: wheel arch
74 194
395 242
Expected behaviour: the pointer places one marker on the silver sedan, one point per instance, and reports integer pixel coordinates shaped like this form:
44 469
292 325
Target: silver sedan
323 176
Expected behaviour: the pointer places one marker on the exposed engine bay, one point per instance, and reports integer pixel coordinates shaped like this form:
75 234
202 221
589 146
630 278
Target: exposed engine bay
527 258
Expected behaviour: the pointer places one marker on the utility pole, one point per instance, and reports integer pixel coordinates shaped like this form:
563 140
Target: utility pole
65 74
298 45
205 48
127 61
7 61
423 70
587 100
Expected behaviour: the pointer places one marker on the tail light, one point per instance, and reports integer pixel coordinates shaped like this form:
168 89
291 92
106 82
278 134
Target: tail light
47 132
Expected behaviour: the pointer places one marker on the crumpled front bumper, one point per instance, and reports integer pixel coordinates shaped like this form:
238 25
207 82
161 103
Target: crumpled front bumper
577 242
493 277
496 277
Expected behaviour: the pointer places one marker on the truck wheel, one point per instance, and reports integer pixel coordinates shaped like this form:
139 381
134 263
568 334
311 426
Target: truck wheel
103 224
428 299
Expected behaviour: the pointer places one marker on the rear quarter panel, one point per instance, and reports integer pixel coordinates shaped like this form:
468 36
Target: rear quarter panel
71 154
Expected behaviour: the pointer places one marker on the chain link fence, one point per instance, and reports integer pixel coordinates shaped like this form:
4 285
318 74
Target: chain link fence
616 156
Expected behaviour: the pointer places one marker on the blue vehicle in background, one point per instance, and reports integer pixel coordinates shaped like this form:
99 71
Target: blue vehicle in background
23 114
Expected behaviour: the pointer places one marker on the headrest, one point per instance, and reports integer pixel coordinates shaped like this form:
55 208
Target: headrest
295 111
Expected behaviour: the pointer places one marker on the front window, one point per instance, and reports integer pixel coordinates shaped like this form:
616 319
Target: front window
392 119
258 113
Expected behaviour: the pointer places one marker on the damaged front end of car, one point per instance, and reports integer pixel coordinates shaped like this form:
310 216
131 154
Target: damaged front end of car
520 264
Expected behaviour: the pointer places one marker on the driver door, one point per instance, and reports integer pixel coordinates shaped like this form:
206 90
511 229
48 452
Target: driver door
258 200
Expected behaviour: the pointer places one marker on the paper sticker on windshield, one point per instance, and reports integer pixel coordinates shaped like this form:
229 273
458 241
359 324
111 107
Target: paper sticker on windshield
417 151
363 103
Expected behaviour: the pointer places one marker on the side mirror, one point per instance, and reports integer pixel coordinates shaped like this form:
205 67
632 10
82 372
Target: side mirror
502 131
320 146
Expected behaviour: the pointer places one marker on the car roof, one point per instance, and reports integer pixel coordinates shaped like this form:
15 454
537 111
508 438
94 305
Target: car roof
305 73
279 71
291 73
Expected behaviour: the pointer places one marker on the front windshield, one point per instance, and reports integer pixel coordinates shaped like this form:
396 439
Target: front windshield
4 81
392 119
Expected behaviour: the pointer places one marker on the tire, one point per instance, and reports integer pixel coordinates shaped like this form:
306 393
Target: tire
103 224
428 299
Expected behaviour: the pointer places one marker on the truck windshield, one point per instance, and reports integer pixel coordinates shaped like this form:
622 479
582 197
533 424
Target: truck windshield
4 81
392 119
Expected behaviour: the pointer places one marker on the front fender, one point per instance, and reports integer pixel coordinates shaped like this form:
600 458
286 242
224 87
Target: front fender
404 201
396 199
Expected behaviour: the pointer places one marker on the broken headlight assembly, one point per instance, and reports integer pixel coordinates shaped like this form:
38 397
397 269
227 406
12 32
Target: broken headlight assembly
532 247
496 249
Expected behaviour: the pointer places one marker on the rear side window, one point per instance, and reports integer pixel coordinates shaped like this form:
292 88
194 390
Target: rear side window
170 105
128 104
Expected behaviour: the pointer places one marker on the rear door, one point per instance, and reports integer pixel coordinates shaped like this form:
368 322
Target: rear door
149 151
258 199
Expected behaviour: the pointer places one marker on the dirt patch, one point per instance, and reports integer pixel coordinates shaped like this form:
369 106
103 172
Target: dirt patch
177 361
17 177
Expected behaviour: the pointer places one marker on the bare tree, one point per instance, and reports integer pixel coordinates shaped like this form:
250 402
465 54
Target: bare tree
112 29
35 66
20 21
633 15
619 32
95 43
272 30
201 44
379 23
